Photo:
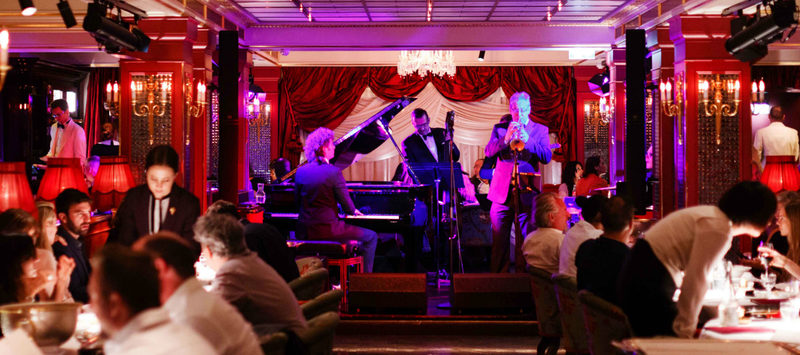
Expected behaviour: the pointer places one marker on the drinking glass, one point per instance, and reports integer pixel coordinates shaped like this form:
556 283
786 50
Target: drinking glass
768 281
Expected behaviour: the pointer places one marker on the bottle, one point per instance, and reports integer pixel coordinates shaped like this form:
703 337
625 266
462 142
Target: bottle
261 196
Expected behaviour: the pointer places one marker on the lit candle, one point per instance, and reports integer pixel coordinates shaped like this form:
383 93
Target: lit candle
4 40
602 104
669 91
116 92
108 92
267 108
586 109
705 89
761 90
133 90
754 92
736 87
661 90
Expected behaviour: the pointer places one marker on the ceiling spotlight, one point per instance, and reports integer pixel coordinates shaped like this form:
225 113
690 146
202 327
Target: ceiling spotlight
66 13
481 55
27 7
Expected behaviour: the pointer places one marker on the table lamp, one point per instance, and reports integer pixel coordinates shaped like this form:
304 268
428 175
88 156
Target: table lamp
16 192
113 180
61 174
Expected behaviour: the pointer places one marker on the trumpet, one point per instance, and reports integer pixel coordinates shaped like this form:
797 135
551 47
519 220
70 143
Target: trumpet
516 143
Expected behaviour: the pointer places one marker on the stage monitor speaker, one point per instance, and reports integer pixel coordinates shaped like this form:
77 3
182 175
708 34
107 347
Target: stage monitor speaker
482 293
387 293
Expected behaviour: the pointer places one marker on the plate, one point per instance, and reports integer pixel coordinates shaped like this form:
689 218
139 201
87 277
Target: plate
769 301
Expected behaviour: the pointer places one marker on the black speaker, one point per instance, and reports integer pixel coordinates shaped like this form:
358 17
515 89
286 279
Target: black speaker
387 293
495 293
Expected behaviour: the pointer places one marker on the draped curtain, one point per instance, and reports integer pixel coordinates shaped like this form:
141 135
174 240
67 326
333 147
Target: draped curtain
96 114
315 97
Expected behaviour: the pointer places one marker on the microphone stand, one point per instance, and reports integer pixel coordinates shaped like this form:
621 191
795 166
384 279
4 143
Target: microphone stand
454 217
517 146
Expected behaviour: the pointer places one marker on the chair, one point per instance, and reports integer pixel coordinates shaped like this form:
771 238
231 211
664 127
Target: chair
318 338
274 344
604 322
310 285
340 254
326 302
547 314
571 315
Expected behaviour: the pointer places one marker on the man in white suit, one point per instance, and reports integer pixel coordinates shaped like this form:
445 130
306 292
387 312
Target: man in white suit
67 138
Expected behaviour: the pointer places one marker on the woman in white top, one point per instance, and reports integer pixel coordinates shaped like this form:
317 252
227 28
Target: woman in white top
689 241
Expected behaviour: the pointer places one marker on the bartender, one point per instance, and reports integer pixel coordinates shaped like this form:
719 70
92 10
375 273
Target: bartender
779 145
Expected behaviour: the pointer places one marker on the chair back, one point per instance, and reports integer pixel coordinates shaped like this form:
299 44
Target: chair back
310 285
604 322
544 296
318 338
571 316
274 344
326 302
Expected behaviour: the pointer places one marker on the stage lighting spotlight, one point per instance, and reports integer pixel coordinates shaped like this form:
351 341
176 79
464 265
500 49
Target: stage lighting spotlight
750 37
66 13
113 35
481 55
27 7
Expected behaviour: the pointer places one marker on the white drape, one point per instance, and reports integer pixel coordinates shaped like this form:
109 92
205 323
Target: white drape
473 126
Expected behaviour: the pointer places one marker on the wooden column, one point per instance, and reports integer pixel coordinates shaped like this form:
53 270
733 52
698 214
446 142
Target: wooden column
710 168
662 54
170 52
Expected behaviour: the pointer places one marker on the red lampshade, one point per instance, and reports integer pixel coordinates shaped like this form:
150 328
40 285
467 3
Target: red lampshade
15 191
61 174
113 180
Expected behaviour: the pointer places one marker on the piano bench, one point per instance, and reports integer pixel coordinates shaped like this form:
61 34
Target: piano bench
340 254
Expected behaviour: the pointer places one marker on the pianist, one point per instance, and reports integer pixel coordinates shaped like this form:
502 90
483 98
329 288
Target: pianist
319 186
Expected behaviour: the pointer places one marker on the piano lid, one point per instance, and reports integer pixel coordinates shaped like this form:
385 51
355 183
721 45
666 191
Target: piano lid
367 136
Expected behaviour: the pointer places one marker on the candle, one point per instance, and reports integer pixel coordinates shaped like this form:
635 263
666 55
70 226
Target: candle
661 90
761 90
133 90
4 40
586 109
116 92
108 92
736 87
754 92
669 91
704 88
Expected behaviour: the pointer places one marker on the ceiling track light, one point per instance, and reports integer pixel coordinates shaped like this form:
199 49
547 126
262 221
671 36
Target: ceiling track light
66 13
552 11
27 7
481 55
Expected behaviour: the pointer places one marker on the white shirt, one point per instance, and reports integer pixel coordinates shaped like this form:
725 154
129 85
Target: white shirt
151 332
431 144
575 236
540 248
690 240
213 318
777 139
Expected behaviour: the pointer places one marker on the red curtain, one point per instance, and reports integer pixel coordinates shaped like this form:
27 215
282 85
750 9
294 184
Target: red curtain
96 114
777 78
315 97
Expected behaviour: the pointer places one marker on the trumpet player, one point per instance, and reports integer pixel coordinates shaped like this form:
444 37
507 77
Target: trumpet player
530 140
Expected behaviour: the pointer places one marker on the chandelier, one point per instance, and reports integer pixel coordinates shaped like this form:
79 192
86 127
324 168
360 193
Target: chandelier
439 63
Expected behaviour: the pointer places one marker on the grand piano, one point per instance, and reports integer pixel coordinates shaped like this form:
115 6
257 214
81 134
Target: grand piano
390 207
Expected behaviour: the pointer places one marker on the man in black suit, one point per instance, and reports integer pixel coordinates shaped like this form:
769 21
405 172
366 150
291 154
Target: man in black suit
427 145
319 186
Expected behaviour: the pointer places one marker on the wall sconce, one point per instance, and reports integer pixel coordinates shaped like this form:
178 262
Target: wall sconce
598 115
156 88
194 105
757 103
112 99
4 67
718 108
670 109
258 114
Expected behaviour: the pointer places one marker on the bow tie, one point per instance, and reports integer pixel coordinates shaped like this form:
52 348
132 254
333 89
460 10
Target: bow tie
427 135
61 126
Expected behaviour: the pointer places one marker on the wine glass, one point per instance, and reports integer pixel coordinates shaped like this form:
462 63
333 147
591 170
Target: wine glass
764 257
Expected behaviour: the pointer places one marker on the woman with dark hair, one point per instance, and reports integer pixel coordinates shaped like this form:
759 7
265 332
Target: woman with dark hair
591 177
19 277
687 242
569 178
157 205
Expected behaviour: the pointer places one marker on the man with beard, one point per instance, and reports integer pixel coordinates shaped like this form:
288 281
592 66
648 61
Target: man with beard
73 209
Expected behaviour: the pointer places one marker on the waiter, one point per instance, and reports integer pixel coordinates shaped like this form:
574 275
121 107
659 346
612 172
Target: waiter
67 138
536 150
427 145
779 144
319 186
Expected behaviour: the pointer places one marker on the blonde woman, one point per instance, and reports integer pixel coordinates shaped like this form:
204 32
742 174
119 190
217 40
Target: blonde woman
47 227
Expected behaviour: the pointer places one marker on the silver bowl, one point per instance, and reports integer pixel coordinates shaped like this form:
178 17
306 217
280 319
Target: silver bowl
48 323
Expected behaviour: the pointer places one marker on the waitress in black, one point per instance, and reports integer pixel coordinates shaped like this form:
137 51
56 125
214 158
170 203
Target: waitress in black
159 204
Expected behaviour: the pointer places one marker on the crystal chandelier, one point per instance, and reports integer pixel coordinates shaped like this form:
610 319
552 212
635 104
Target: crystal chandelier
439 63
